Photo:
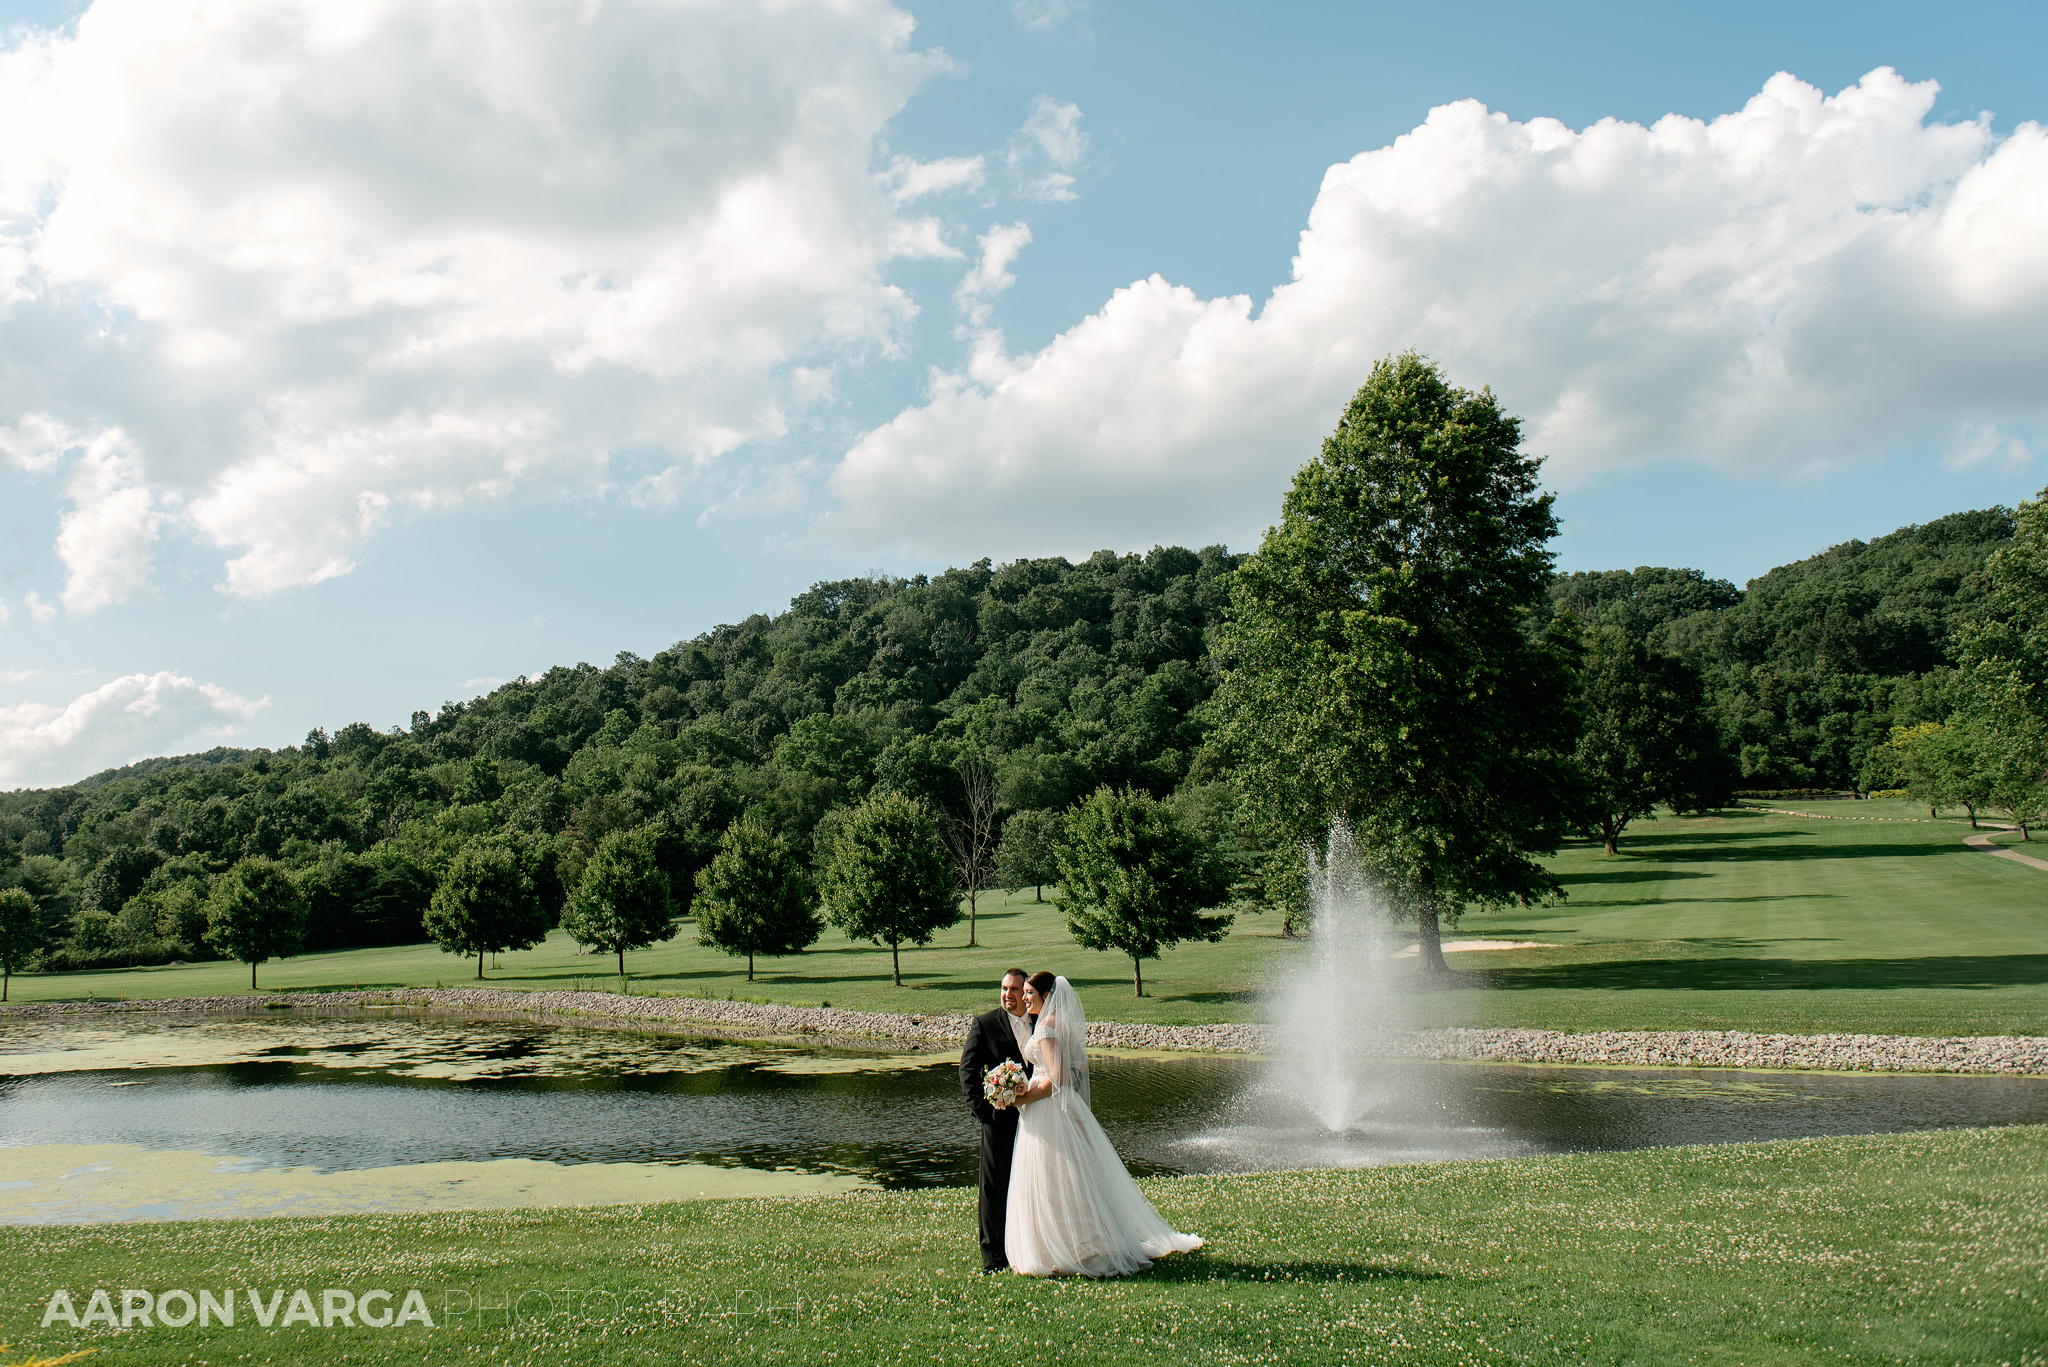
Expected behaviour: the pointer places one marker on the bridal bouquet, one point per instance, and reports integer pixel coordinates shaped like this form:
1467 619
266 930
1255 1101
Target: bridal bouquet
1004 1083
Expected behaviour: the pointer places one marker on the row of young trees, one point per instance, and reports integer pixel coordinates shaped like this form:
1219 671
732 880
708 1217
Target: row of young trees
1132 880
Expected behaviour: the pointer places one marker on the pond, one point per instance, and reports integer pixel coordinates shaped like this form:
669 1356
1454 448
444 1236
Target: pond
132 1118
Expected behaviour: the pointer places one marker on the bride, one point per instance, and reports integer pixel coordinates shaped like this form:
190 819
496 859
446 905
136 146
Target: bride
1073 1207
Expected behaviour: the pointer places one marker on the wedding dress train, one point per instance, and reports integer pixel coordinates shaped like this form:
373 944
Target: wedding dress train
1073 1207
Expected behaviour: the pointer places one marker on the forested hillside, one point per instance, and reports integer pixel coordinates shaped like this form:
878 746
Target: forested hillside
1060 676
1811 665
1051 678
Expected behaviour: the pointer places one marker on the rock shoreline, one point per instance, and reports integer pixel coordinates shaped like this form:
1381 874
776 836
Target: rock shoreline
2012 1055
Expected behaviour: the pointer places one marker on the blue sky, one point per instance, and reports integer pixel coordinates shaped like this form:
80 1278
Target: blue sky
356 358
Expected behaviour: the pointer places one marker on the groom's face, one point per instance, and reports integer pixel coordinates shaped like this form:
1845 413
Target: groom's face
1013 994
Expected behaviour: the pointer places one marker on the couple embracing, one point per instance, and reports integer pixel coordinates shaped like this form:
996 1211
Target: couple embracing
1055 1198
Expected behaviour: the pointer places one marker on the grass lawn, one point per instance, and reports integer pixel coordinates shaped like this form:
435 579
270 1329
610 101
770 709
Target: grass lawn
1921 1248
1884 924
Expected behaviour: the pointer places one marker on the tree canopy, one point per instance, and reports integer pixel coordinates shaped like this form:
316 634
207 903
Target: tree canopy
256 913
1648 737
755 896
1380 669
485 903
890 879
1134 881
623 899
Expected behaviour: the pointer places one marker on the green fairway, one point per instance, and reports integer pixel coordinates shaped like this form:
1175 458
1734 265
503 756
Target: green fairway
1884 923
1895 1249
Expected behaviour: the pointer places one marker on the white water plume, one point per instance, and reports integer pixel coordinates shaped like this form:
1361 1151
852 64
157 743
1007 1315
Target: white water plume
1340 1017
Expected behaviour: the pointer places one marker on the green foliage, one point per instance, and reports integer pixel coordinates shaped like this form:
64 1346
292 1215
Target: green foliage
1647 737
1025 858
2004 681
26 930
890 880
1379 671
1134 880
623 900
1821 658
755 896
1641 601
1937 764
485 903
379 897
256 913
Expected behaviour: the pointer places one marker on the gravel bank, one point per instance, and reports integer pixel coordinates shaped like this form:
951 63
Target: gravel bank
2010 1054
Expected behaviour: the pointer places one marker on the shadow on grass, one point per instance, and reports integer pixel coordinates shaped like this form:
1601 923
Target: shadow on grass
1655 873
1198 1267
1775 975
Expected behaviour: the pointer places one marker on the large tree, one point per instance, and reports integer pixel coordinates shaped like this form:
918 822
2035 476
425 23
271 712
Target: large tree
1648 735
1134 881
1377 666
889 879
26 930
755 896
256 913
485 903
623 900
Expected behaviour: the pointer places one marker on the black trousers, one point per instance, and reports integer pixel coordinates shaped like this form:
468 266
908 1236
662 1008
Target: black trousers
998 1142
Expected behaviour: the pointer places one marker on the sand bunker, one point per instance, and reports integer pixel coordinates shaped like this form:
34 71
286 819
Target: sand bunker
1468 946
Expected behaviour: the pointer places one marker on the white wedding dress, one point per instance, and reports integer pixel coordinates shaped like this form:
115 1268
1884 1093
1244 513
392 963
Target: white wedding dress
1073 1208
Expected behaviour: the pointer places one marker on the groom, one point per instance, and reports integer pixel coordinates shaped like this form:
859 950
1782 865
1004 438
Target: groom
993 1038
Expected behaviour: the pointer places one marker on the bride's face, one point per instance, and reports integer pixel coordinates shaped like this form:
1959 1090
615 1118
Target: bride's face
1033 1003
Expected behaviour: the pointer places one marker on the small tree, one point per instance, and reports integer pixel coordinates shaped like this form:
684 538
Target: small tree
623 900
1025 859
1648 737
890 880
1133 880
26 930
256 913
485 903
1938 764
972 833
755 896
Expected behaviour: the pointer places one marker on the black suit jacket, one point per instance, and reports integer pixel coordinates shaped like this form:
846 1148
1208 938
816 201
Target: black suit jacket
990 1041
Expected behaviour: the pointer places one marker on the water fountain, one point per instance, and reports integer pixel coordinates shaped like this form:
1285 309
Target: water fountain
1336 1092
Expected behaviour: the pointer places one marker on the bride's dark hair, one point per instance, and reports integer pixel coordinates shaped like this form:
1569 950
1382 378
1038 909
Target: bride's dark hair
1042 984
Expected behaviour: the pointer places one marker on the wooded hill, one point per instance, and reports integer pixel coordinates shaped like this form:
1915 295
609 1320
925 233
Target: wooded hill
1060 677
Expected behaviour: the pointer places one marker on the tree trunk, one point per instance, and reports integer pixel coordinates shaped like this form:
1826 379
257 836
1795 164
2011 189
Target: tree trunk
1138 973
1612 831
622 964
896 963
1430 946
1038 893
971 891
5 978
252 975
1973 815
479 965
750 965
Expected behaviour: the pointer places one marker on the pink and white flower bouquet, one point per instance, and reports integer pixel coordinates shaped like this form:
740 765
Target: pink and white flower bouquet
1004 1084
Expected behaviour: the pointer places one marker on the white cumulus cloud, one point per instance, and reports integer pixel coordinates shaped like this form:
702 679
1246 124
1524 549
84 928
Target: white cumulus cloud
296 267
1804 282
117 723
